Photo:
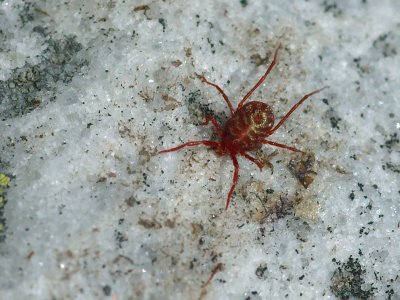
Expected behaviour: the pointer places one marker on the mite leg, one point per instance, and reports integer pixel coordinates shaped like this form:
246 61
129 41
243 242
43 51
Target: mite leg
305 97
281 146
252 159
189 144
235 179
261 79
221 92
215 124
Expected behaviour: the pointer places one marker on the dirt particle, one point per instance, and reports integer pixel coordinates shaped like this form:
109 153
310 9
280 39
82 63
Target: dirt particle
348 281
149 223
302 168
262 271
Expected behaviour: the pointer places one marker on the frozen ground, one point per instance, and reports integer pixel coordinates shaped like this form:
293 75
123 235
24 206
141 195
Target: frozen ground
91 90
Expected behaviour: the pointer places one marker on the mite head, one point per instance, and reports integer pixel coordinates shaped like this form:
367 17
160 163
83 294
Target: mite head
259 117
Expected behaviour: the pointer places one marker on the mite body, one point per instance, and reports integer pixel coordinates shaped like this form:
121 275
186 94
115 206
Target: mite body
247 129
249 125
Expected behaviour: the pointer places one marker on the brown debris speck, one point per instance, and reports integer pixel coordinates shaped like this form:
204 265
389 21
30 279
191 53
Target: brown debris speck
170 102
302 168
170 223
130 201
176 63
264 205
147 223
141 7
188 52
218 267
146 95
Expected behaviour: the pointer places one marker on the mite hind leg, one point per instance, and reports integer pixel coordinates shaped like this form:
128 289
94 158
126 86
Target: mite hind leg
234 181
190 144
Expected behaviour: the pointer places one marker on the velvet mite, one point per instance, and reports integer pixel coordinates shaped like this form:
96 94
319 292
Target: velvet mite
247 129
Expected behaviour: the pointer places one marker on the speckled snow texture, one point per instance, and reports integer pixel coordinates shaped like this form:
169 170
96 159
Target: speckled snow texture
91 90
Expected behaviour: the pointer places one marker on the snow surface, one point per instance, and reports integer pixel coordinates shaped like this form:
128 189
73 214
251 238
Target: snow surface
90 91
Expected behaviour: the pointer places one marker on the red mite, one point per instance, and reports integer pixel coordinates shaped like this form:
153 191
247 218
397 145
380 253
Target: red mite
247 129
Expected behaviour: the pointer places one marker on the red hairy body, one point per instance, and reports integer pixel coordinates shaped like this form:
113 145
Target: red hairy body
247 129
249 125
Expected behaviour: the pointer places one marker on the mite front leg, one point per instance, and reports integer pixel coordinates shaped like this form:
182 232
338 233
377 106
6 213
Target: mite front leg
304 98
271 66
221 92
215 124
281 146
